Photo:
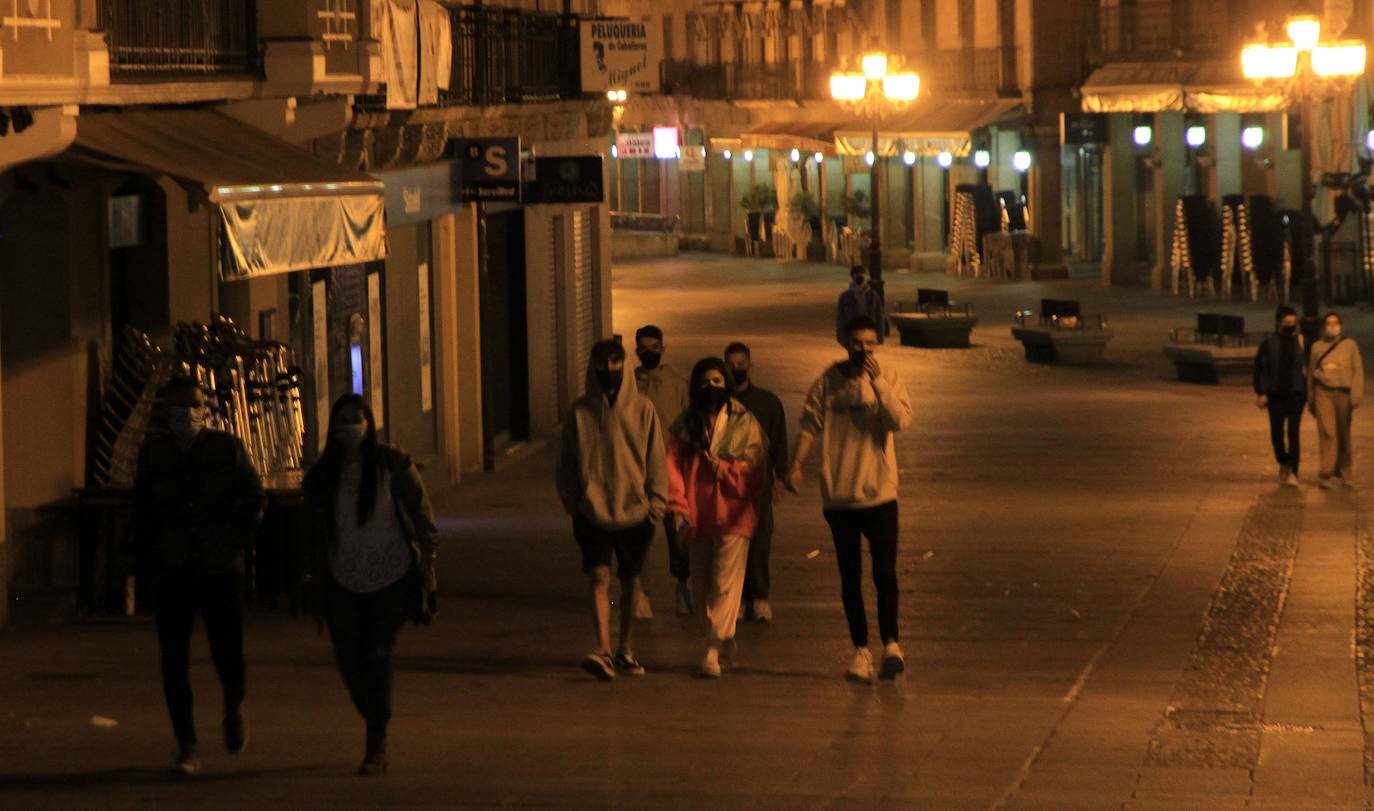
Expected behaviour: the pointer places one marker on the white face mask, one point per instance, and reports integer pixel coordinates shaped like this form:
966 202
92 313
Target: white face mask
186 422
350 435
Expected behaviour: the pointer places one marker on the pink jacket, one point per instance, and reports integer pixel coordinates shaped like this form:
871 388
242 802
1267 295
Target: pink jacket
722 501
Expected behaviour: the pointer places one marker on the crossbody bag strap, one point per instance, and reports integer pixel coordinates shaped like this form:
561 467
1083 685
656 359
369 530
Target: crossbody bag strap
1328 351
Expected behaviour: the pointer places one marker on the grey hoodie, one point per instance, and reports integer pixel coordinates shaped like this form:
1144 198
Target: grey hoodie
612 468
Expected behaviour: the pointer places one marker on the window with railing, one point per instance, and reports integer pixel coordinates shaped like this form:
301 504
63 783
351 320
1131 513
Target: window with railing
796 79
150 37
507 55
1168 29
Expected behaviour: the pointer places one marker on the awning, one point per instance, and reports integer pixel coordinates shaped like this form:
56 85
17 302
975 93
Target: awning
282 208
929 127
808 137
1152 87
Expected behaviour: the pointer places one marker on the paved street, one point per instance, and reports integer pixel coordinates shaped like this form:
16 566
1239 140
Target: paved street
1107 602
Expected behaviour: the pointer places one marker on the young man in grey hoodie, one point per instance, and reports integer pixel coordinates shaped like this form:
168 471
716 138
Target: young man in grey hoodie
613 480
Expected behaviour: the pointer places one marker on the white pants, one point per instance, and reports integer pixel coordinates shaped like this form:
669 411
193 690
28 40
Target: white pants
717 566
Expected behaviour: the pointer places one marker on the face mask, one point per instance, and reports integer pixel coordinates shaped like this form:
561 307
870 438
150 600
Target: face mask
710 398
648 359
1333 332
350 435
1287 330
858 357
609 381
860 281
185 423
740 376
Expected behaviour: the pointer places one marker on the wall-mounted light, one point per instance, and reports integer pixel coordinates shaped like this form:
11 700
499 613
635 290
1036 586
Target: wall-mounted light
748 155
666 143
1196 136
616 96
1021 160
1369 141
1143 135
726 154
795 155
945 160
909 158
818 158
1252 137
982 158
868 158
615 151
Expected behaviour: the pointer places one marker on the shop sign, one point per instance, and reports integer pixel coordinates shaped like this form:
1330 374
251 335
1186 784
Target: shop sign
621 55
421 193
634 145
693 159
1079 129
489 169
577 179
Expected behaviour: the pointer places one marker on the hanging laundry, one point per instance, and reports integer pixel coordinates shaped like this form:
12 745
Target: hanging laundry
401 54
436 51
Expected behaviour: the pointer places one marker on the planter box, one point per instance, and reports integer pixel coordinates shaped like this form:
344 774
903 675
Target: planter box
934 331
1069 346
1204 363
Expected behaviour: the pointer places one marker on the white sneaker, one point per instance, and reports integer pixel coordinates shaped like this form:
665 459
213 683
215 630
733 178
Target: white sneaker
893 663
710 664
763 612
643 611
1283 475
861 669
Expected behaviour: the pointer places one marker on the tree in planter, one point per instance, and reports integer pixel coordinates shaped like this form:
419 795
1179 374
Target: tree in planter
857 206
756 200
808 206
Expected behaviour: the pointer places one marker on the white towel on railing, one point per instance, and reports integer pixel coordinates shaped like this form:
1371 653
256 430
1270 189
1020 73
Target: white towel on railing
436 51
401 53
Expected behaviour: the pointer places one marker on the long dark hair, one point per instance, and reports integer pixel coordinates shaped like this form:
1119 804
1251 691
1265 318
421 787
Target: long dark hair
695 422
325 473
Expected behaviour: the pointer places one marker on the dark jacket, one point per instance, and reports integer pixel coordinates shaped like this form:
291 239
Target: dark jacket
1269 377
194 511
412 511
768 410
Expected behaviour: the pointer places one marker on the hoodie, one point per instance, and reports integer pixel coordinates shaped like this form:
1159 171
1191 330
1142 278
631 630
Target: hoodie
855 420
722 499
611 469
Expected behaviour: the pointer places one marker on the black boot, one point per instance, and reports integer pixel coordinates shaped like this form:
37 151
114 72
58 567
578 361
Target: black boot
374 760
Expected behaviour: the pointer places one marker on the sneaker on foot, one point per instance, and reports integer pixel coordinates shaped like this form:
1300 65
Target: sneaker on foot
1283 475
187 760
374 760
1347 482
684 598
600 665
861 669
1325 483
643 611
763 612
235 731
729 654
893 663
625 662
710 664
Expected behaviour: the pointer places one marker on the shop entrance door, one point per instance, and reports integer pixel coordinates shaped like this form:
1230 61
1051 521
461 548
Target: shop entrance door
505 342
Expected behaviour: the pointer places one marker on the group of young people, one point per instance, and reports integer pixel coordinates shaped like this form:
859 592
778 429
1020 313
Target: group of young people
705 458
1327 381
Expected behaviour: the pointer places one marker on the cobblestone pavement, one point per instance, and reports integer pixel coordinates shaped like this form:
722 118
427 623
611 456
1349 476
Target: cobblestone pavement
1106 602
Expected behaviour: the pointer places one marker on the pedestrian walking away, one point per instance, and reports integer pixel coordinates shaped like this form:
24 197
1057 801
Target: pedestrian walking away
612 479
1281 388
1335 387
854 409
768 410
717 454
859 299
197 499
667 390
371 544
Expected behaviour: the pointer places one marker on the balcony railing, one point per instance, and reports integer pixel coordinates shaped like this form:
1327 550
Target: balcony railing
963 71
1158 29
199 37
505 55
745 82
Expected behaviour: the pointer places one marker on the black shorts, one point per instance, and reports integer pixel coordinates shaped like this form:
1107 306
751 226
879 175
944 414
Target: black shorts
630 545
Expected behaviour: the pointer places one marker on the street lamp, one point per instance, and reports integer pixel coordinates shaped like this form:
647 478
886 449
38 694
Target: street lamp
1303 71
871 92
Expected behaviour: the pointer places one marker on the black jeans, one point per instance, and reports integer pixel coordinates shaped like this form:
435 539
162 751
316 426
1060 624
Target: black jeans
1285 411
879 525
757 581
363 628
679 563
218 597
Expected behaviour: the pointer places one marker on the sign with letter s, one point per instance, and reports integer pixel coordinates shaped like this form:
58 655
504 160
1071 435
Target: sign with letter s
490 168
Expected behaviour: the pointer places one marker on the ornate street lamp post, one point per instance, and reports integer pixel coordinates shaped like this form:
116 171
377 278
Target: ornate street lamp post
872 92
1303 72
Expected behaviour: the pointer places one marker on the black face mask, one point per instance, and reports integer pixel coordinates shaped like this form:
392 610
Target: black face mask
609 381
740 376
858 357
710 398
648 359
1288 330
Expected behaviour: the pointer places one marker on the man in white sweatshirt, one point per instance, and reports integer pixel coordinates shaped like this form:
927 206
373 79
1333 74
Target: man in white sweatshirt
855 407
613 480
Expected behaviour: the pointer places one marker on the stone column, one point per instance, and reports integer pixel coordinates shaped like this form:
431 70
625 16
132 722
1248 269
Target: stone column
1171 169
1047 202
1225 148
1120 199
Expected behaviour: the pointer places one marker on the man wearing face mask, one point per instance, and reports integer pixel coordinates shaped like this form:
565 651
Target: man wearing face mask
859 299
613 481
1281 387
855 408
197 498
667 390
768 410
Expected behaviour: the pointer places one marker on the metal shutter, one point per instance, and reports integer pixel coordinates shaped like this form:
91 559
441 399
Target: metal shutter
584 295
541 301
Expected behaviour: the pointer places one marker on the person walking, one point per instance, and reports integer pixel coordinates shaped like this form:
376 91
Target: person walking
716 467
667 390
196 501
1335 387
859 299
612 479
1281 387
371 543
768 410
855 408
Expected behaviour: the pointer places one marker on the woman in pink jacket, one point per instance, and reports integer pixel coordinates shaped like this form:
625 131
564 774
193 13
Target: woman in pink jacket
716 453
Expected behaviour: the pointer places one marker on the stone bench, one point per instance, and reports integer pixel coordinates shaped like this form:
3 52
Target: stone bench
934 323
1218 345
1063 334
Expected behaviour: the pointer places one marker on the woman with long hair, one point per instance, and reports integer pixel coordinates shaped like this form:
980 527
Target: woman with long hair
371 543
716 458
